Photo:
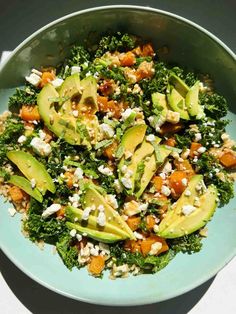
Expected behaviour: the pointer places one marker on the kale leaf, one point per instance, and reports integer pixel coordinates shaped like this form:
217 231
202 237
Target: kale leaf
117 42
187 244
67 251
23 96
215 106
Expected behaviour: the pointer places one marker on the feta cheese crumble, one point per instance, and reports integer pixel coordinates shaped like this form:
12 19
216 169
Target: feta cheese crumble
127 183
150 138
12 211
57 82
40 147
51 210
165 190
188 209
33 79
101 219
105 170
21 139
78 173
155 247
107 130
111 199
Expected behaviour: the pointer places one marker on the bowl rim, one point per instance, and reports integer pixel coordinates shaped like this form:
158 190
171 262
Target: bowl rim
131 302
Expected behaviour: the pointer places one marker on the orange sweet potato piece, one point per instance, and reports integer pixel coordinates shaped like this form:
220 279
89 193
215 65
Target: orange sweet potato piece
158 182
169 128
193 149
150 222
110 150
147 50
29 113
170 142
127 59
16 194
176 181
69 179
146 244
96 265
46 78
228 160
133 222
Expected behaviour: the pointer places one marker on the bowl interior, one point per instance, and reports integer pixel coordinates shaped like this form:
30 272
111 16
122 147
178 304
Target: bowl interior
189 46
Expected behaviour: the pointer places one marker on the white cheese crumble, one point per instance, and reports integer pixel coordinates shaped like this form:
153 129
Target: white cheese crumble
73 233
42 135
156 228
118 187
165 190
33 183
124 169
150 138
155 247
201 150
101 219
75 113
78 237
105 170
12 211
111 199
57 82
187 193
188 209
21 139
184 181
172 116
75 69
40 147
127 113
138 235
120 271
107 130
143 207
78 173
86 213
198 137
36 72
51 210
127 183
101 208
33 79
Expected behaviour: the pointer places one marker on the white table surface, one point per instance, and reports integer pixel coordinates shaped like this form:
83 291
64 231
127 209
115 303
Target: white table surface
19 294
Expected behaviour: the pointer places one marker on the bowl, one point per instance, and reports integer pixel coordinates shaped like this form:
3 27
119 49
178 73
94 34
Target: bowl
190 46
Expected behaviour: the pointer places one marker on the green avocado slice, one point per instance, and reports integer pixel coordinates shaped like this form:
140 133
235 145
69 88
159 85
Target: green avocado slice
25 185
94 234
159 100
176 224
75 214
130 140
179 85
88 101
32 169
93 197
177 103
192 102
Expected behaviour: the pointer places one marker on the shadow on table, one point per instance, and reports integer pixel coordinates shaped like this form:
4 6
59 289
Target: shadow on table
38 299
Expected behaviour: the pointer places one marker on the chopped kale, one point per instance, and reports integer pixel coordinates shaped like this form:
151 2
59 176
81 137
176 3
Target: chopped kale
187 244
147 264
23 96
118 42
215 106
67 251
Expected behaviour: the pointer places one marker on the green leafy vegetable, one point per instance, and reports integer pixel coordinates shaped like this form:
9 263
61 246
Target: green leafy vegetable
215 106
67 251
23 96
187 244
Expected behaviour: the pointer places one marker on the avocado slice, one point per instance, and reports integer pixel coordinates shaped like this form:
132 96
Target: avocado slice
130 140
160 100
94 234
151 166
32 169
93 197
88 101
73 214
62 125
177 103
146 149
178 84
176 224
192 102
25 185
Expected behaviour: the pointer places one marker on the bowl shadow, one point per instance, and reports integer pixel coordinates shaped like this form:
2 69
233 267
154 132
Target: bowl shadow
38 299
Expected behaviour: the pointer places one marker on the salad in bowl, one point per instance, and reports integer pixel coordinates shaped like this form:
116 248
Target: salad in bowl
116 158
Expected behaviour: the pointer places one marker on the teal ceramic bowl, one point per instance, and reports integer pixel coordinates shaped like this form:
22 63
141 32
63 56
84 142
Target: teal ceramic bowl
190 46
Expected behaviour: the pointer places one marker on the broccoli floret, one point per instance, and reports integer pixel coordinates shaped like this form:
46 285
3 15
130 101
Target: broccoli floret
118 42
215 106
187 244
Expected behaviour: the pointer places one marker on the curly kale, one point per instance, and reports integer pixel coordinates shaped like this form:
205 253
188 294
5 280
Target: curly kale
38 228
117 42
210 167
215 106
67 251
150 264
13 129
182 141
187 244
23 96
